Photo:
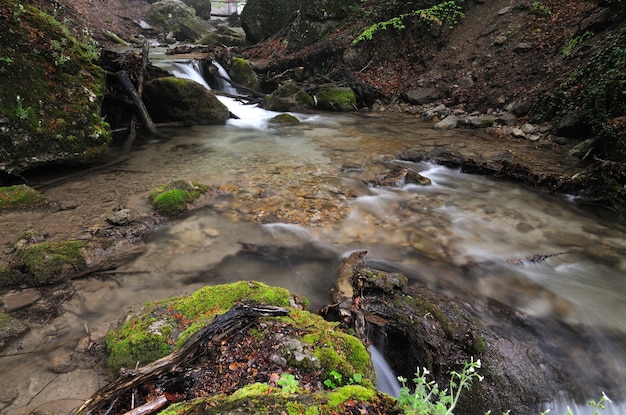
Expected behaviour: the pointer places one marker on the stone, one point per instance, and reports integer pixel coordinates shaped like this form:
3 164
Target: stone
336 99
482 121
288 97
521 108
121 217
523 47
15 300
183 100
506 118
177 17
62 364
448 123
421 96
261 19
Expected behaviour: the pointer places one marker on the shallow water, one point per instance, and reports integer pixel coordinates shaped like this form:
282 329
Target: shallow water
301 188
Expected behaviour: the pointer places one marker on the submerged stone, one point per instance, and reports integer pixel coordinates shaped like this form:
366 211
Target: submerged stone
172 199
284 119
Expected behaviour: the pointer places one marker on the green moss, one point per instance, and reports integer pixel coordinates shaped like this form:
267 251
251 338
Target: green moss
47 76
336 350
20 197
49 262
174 320
336 99
242 73
173 198
284 119
356 392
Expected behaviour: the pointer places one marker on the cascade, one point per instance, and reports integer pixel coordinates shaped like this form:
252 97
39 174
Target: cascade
222 84
188 70
386 380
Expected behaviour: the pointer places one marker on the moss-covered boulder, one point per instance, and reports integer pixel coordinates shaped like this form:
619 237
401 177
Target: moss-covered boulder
50 262
171 99
284 119
21 197
269 364
242 73
336 99
50 94
288 97
173 199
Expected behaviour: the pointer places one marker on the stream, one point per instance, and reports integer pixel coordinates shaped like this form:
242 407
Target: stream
301 188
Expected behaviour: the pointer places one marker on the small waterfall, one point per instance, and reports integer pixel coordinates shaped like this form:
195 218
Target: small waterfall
222 80
189 70
386 380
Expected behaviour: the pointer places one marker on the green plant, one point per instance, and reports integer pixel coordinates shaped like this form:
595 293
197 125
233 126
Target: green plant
288 383
6 60
21 112
17 13
58 52
575 42
540 9
429 399
447 12
335 380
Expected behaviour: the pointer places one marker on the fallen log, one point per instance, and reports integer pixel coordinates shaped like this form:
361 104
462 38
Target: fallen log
235 319
141 108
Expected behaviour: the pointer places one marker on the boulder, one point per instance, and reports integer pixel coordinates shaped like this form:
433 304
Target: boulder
202 7
51 94
176 17
171 99
261 19
421 96
448 123
336 99
288 97
241 72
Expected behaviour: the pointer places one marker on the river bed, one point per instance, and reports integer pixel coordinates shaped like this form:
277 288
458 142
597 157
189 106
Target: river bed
301 188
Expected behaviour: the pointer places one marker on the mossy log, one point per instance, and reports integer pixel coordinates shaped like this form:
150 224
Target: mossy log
235 319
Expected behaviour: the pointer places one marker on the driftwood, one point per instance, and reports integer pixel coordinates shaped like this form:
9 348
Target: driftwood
141 108
235 319
133 121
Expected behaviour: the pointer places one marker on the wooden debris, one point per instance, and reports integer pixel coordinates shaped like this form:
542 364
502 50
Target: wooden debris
236 318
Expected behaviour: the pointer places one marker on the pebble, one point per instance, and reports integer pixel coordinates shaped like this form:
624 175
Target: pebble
62 364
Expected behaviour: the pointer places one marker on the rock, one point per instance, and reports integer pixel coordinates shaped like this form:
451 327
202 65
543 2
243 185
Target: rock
54 100
481 121
261 19
523 47
177 17
582 149
10 328
201 7
506 118
420 96
521 108
288 97
183 100
284 119
572 124
121 217
335 99
241 72
14 300
448 123
62 364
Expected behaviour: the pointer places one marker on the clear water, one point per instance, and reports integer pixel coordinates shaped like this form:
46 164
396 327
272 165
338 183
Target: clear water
302 188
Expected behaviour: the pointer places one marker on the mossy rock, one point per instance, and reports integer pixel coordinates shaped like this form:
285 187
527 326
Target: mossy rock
284 119
10 328
310 344
165 325
21 197
336 99
49 262
242 73
172 199
263 399
288 97
51 92
171 99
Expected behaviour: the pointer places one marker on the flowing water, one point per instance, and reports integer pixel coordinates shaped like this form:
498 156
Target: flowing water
298 193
